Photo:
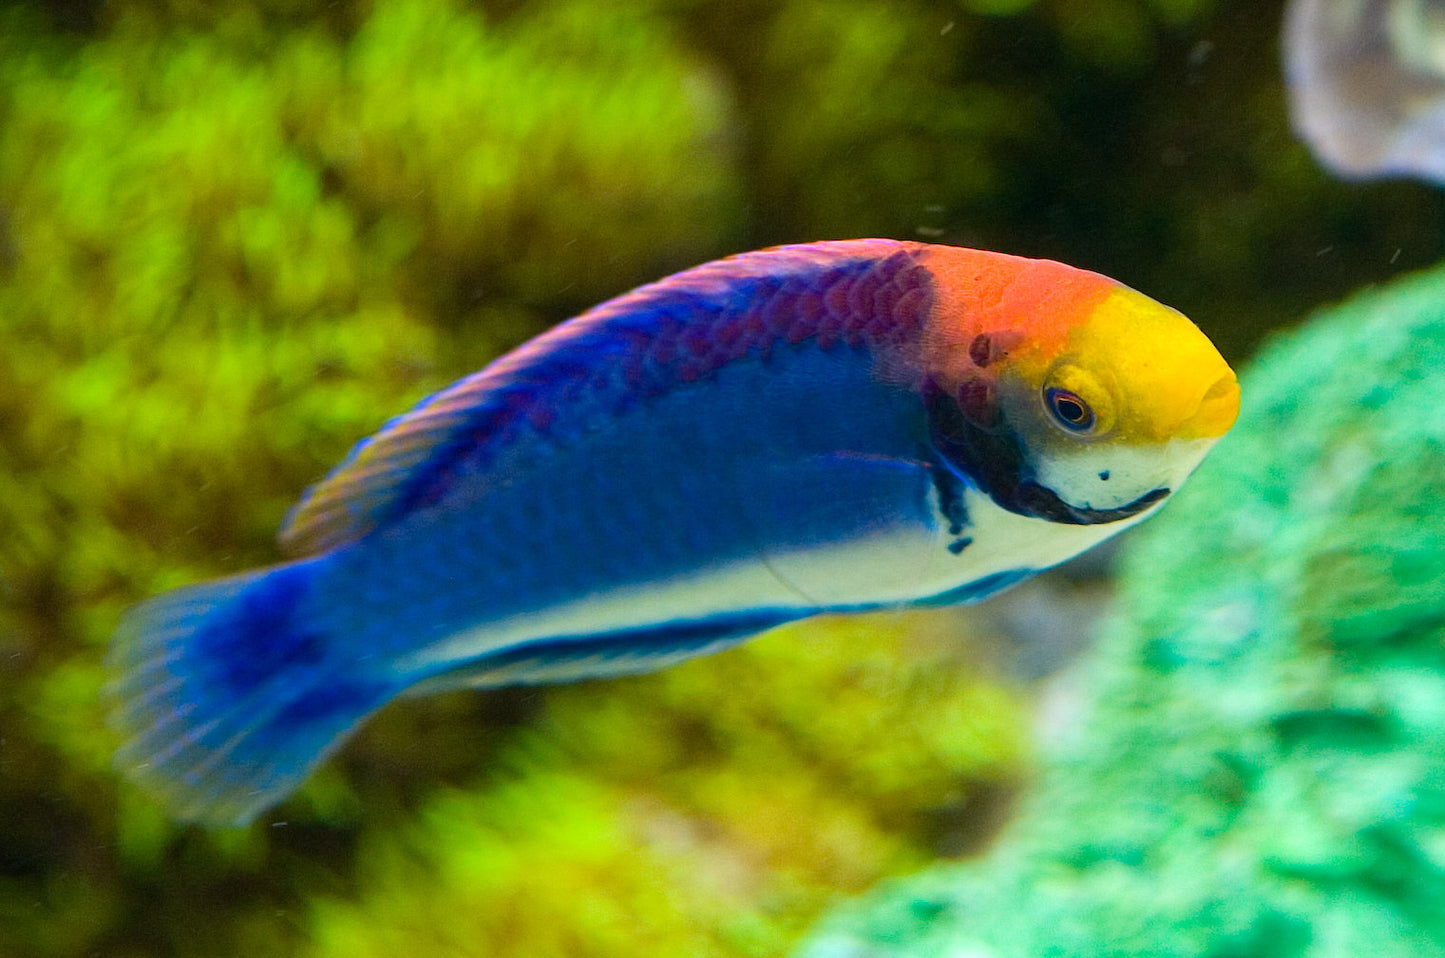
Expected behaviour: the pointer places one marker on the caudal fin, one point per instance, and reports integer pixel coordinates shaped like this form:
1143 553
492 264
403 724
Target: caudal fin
228 696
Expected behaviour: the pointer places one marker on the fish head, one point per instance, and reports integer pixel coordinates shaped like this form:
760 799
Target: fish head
1082 402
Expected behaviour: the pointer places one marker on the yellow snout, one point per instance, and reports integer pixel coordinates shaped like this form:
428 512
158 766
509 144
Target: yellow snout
1169 380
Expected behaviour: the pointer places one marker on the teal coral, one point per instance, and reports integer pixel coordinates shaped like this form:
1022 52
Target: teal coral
1260 771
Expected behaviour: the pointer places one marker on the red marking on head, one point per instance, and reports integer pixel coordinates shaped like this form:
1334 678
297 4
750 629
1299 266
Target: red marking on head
981 350
977 401
1016 305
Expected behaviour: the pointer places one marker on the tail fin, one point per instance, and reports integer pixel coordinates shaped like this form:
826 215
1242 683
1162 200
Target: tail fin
228 697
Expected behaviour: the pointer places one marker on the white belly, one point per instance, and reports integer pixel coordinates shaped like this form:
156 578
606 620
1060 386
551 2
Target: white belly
910 563
897 564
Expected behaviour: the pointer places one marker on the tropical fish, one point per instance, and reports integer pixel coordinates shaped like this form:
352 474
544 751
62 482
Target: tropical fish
816 428
1366 84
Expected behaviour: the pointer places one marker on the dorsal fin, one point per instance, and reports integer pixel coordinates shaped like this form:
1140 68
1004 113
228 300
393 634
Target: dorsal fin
635 345
363 489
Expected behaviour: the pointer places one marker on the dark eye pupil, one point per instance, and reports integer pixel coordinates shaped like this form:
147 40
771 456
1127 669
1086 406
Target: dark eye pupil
1070 409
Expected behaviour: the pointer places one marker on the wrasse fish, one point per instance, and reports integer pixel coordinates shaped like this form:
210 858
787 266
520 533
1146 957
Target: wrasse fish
816 428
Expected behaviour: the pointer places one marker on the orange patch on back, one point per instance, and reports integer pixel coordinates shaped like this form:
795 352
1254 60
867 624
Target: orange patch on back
1023 309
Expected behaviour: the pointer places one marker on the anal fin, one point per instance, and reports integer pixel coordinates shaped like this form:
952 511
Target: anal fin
629 652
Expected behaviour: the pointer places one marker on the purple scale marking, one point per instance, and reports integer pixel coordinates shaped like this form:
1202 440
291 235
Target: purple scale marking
643 343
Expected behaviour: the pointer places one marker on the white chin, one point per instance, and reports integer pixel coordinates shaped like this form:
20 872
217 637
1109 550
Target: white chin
1113 475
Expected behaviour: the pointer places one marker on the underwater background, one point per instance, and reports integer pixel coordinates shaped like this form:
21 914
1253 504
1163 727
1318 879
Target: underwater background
235 237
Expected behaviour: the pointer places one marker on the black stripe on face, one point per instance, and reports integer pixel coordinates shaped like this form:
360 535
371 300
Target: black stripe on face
991 455
1035 500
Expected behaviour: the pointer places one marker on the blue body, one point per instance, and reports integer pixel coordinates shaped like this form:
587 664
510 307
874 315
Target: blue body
680 511
664 491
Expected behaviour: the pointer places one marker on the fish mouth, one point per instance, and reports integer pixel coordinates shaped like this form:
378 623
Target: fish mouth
1032 499
991 458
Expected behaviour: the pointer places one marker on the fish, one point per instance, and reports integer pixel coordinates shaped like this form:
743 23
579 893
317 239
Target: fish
1366 84
818 428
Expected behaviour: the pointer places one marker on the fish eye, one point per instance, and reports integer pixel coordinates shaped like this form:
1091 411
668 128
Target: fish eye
1079 401
1071 412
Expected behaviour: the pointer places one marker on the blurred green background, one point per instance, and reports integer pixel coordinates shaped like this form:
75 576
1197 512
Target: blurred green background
235 237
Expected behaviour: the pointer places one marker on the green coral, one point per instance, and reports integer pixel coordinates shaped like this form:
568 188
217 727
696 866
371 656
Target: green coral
1260 769
226 255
